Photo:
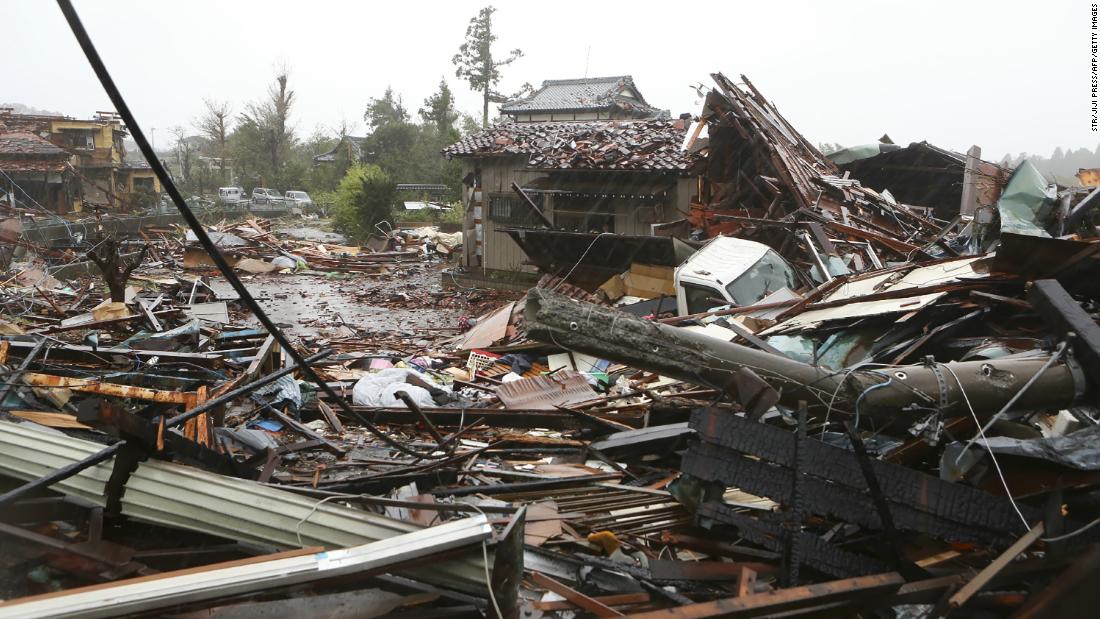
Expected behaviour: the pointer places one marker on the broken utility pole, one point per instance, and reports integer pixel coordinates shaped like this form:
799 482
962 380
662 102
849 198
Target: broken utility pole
885 394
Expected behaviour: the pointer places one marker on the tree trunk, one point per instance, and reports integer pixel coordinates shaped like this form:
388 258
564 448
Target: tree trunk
485 109
114 267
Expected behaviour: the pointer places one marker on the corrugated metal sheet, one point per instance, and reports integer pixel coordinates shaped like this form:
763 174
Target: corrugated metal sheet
174 589
188 498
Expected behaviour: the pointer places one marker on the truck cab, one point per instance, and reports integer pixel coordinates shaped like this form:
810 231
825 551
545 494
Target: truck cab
231 195
731 271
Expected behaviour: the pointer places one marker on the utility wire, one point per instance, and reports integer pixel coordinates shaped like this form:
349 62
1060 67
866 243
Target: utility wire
136 133
981 433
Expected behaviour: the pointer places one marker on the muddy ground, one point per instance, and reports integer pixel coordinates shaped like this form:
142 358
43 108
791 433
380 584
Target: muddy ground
409 299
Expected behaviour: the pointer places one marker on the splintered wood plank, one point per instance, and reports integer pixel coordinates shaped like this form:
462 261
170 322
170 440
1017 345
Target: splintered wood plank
581 600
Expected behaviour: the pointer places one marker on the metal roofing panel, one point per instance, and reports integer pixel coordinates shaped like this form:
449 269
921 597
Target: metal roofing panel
546 392
192 499
855 309
895 279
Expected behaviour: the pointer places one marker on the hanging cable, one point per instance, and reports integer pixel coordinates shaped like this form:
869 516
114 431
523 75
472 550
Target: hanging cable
996 465
188 215
581 259
1059 538
889 380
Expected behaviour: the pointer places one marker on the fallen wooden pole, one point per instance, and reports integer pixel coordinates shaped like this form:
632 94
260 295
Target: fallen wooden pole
887 394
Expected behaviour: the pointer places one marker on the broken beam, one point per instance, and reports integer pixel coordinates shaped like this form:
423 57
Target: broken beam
188 398
850 590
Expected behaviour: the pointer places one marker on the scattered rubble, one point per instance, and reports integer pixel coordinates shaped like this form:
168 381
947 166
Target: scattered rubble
880 412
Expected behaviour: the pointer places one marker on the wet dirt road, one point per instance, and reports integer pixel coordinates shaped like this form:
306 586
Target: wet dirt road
407 299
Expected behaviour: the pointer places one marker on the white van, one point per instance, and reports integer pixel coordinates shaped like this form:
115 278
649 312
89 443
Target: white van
230 195
731 271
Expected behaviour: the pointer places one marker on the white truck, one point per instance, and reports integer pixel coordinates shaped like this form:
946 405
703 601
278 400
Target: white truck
231 195
731 271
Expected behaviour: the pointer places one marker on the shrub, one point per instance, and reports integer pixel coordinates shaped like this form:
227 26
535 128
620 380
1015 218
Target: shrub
364 198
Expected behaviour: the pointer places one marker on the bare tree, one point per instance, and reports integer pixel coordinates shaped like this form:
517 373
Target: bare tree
269 120
114 266
281 100
215 127
183 153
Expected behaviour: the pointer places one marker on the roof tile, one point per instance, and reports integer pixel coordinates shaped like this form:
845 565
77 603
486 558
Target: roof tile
594 93
595 145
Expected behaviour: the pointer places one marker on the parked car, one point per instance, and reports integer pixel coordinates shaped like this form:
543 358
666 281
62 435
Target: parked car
298 198
231 195
261 195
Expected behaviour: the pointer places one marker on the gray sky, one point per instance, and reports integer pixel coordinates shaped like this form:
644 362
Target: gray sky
1008 76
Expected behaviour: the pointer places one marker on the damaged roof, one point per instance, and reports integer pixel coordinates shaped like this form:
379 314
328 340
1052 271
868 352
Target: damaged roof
25 152
585 94
593 145
24 143
922 174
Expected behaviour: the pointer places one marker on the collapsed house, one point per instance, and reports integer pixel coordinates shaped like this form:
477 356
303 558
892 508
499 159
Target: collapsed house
946 182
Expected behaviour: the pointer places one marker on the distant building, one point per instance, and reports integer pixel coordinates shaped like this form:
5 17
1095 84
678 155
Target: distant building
590 98
96 157
349 146
39 169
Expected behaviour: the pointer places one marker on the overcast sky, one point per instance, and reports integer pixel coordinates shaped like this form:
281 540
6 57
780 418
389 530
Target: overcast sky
1008 76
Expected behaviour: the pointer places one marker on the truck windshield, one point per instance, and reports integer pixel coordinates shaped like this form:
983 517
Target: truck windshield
700 299
769 274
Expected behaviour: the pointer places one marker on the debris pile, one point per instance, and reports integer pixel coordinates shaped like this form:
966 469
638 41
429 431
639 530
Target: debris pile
825 402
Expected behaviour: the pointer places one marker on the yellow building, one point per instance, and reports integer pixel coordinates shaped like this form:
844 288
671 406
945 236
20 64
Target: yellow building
98 157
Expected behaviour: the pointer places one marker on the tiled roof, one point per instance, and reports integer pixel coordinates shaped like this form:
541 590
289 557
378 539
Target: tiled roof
594 93
356 146
595 145
135 161
23 143
32 165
